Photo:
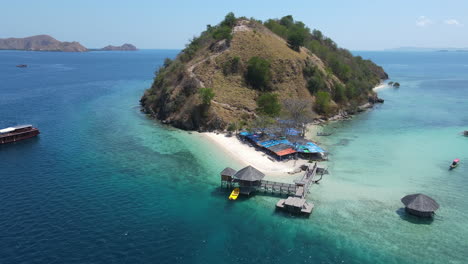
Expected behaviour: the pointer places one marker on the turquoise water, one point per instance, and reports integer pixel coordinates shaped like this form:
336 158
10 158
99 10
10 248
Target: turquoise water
103 184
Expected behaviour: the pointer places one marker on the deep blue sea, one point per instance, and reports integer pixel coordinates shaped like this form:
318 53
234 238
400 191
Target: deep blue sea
104 184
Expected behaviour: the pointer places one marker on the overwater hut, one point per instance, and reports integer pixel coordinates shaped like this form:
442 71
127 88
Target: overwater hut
420 205
226 176
248 179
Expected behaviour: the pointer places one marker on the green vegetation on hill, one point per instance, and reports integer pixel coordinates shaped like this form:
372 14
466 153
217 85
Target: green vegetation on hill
256 71
357 74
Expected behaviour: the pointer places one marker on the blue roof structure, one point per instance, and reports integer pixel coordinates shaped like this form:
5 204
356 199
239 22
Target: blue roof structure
307 147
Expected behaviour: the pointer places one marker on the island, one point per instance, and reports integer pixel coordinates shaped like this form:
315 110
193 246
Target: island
40 43
124 47
48 43
244 74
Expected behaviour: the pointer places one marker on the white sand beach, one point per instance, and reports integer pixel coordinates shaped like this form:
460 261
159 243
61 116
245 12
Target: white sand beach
381 86
247 155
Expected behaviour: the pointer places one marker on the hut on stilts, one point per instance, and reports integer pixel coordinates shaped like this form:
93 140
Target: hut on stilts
420 205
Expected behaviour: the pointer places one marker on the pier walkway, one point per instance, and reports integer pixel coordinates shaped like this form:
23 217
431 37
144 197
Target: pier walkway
250 180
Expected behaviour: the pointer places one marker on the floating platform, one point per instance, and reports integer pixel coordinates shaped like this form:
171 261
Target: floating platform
295 205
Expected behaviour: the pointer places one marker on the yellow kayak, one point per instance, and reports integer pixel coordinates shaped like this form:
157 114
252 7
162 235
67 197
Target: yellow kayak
234 194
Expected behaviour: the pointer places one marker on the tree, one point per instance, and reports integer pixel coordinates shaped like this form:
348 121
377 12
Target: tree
317 34
206 95
229 20
262 122
222 32
258 73
269 104
322 102
299 112
316 83
296 39
167 62
287 21
339 95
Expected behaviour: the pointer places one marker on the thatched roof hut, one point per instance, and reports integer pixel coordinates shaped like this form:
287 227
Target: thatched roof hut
228 172
420 205
249 174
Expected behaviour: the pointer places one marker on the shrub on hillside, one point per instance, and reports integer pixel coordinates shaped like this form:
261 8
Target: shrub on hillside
316 83
269 104
232 66
206 95
258 73
322 102
222 32
339 94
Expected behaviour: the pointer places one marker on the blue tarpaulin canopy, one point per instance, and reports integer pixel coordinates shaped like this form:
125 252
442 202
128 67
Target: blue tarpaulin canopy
303 147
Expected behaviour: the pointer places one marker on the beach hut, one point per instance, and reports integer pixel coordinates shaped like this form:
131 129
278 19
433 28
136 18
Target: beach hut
420 205
248 179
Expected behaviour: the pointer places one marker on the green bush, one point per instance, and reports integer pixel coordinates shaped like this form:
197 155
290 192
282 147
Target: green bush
229 20
222 32
231 66
351 91
296 39
231 127
322 102
316 83
258 73
269 104
309 70
339 95
206 95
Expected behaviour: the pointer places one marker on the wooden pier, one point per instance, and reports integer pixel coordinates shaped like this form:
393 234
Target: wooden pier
250 180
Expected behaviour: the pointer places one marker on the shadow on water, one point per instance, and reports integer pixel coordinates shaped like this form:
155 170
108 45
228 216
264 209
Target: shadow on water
342 142
282 213
413 219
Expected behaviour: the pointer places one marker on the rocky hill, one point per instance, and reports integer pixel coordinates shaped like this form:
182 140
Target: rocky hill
40 43
124 47
240 70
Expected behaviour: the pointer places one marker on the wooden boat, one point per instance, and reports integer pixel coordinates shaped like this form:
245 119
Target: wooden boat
323 134
234 194
17 133
465 133
21 65
454 164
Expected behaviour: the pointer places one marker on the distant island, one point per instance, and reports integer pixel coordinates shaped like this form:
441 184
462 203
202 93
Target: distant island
124 47
48 43
40 43
244 73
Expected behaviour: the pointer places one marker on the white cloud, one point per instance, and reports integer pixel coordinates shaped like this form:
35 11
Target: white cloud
423 21
453 22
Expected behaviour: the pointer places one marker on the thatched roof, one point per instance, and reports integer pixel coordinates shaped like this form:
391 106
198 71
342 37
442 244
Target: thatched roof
228 172
420 202
249 173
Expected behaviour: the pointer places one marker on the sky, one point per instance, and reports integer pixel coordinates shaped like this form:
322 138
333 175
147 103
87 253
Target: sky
155 24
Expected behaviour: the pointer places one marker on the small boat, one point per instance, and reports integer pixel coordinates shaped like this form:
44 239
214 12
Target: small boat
22 65
454 164
234 194
465 133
